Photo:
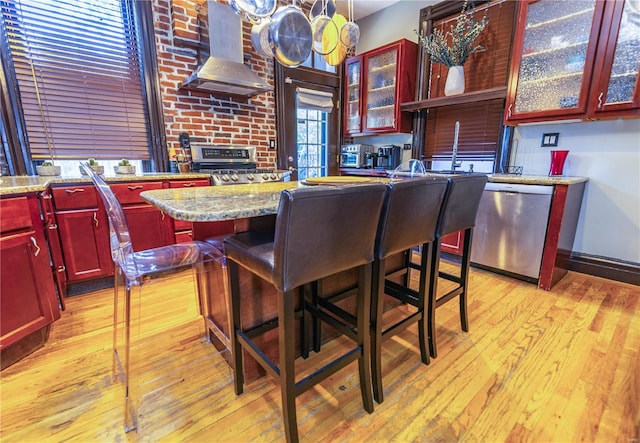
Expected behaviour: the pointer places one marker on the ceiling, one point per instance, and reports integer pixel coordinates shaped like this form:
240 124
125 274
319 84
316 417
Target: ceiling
363 8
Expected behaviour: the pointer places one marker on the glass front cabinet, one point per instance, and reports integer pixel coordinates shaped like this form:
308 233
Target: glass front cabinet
377 83
574 59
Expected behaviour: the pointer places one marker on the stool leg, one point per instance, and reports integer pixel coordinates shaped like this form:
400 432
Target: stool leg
315 323
434 270
464 279
234 306
363 335
286 338
377 309
423 287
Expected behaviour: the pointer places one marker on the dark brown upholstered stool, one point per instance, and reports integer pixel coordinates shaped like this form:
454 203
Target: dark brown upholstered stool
409 218
319 231
458 213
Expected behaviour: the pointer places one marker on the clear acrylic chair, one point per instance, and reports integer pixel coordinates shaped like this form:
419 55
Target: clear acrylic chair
133 358
408 169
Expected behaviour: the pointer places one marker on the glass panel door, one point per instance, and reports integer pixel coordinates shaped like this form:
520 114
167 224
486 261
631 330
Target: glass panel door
381 89
312 136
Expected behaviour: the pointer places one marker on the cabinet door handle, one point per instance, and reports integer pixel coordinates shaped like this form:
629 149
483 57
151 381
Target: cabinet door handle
510 107
95 219
162 216
133 188
73 191
600 100
35 244
188 185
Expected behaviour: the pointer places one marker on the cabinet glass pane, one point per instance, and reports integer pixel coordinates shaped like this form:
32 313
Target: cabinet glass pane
624 72
353 97
381 89
553 54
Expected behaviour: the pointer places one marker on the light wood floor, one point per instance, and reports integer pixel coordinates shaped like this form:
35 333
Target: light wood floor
536 366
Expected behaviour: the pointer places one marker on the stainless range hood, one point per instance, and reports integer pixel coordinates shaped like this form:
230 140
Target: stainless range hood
224 73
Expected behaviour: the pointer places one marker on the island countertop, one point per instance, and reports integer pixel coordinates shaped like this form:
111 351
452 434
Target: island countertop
216 203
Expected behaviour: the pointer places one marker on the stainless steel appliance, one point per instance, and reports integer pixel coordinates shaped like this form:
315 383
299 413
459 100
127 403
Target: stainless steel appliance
511 226
389 157
355 156
230 165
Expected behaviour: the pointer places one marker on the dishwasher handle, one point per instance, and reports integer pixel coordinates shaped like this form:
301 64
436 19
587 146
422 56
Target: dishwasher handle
518 188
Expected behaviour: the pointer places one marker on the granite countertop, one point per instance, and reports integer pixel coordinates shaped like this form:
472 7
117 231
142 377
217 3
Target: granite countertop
536 179
25 184
215 203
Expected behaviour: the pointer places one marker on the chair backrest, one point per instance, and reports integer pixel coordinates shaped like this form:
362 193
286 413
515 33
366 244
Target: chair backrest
119 237
324 230
461 203
410 214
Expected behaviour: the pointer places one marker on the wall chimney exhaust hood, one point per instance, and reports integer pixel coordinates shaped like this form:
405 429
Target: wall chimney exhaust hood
223 72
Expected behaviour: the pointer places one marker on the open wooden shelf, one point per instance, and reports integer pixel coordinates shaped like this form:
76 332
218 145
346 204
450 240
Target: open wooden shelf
460 99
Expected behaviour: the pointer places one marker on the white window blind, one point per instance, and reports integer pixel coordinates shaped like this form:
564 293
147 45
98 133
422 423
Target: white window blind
314 99
78 72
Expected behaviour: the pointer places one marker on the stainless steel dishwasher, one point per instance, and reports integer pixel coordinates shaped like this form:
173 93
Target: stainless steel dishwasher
510 228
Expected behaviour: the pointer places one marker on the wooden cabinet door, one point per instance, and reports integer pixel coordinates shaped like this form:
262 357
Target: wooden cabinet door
149 228
28 299
352 97
84 236
616 88
552 59
388 82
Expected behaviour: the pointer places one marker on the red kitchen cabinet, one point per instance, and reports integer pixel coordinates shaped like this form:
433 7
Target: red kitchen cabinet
149 227
616 89
377 83
573 60
83 230
183 230
28 302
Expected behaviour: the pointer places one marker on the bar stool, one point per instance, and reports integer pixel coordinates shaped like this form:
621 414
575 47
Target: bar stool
319 231
458 213
409 218
134 270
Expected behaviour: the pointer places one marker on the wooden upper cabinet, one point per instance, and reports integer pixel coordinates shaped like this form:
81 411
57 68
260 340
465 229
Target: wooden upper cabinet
376 84
574 59
615 86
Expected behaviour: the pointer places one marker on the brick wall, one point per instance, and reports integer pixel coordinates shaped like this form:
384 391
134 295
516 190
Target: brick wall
178 25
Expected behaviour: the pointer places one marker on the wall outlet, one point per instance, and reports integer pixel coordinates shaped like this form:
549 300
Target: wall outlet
550 140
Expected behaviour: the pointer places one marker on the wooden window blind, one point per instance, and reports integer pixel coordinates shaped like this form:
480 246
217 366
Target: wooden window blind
78 70
480 129
480 123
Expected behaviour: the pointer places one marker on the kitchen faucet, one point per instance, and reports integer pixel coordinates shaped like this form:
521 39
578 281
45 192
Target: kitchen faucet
454 163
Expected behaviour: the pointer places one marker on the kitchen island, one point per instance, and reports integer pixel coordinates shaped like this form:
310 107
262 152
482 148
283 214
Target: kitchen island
223 210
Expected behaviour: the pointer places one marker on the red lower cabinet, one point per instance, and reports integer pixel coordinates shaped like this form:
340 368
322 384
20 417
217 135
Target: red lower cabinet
28 302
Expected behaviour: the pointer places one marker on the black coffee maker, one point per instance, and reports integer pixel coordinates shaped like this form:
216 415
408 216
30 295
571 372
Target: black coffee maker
389 157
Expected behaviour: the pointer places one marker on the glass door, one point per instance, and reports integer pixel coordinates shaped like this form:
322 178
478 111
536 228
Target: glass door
381 90
313 143
352 120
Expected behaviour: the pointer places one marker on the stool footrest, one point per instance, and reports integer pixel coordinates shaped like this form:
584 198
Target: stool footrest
327 370
258 355
448 296
345 325
403 324
401 292
450 277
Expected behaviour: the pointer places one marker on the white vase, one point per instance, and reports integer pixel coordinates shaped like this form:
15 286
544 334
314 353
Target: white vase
455 81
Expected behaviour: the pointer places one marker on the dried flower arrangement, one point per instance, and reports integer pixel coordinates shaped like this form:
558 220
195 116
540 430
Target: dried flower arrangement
462 37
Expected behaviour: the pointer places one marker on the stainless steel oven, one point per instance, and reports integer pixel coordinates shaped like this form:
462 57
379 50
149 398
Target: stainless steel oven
229 165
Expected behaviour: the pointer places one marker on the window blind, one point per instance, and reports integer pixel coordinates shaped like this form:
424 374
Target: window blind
78 70
480 127
481 122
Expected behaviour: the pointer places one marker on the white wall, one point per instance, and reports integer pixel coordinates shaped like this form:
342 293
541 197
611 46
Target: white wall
608 153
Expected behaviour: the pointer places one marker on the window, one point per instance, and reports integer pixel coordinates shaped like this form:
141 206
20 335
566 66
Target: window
312 143
78 65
